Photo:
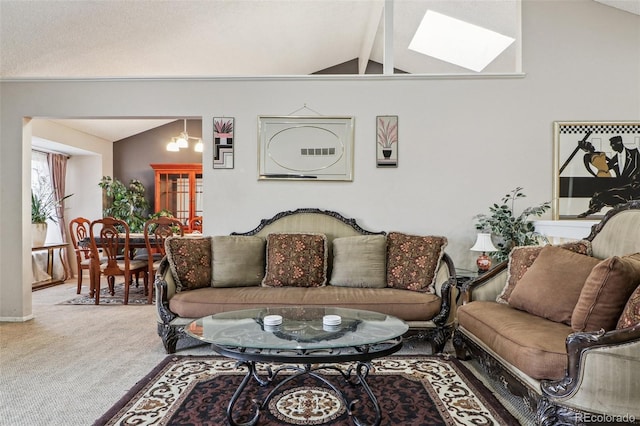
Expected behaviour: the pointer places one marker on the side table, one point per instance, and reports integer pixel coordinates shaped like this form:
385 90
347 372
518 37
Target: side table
464 277
49 248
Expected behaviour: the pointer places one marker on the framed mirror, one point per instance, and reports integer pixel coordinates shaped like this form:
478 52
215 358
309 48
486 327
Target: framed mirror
305 148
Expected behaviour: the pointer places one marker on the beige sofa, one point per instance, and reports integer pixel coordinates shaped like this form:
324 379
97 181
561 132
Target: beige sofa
571 362
242 272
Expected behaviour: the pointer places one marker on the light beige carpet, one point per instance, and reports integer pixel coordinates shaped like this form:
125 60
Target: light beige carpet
70 364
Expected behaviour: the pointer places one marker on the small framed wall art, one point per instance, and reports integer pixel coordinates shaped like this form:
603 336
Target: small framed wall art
223 135
596 167
387 141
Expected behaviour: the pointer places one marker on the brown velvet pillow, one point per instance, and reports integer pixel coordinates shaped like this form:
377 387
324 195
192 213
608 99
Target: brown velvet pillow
296 260
190 261
551 286
605 293
631 313
412 261
522 257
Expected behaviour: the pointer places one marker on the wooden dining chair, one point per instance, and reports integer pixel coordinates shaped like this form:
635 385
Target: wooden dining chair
195 224
112 236
79 231
156 231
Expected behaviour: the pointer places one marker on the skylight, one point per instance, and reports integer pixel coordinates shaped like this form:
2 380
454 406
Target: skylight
458 42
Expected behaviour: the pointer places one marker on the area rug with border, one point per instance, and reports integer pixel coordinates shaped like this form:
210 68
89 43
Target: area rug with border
411 390
136 296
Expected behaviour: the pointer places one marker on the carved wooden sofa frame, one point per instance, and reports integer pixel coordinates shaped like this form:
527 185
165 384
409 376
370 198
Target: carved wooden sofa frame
436 331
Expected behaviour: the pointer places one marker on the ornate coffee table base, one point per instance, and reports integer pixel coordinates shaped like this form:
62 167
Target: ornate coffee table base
310 363
353 376
303 340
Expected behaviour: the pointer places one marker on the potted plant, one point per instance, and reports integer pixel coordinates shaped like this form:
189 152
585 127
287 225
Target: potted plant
44 207
164 213
125 202
511 230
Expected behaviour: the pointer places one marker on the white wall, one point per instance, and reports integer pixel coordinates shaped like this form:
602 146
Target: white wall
83 175
90 159
463 142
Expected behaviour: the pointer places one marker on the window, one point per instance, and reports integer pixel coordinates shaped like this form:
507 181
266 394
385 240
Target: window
41 184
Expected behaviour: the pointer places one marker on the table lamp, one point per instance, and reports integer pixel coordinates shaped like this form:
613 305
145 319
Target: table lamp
483 244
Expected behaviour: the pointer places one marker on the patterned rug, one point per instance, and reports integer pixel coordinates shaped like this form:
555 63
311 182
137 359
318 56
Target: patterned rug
195 390
136 296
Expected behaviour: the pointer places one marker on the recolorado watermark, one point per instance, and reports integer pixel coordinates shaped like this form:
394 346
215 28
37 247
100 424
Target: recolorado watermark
605 418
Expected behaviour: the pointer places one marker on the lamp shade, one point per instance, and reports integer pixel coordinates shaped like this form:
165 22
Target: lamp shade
484 243
183 140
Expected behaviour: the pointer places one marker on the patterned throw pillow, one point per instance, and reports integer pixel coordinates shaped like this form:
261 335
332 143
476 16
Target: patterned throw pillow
190 261
296 260
412 261
631 313
522 257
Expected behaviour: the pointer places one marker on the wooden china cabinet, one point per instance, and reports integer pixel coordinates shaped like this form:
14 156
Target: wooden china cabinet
178 188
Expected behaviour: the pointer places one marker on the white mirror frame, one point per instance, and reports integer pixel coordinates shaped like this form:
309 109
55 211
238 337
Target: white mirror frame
305 148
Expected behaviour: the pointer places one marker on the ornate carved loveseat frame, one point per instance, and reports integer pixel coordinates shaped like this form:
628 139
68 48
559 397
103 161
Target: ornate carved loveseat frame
602 378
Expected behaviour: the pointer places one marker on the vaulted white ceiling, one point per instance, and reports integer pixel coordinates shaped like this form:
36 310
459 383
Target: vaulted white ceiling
149 38
174 38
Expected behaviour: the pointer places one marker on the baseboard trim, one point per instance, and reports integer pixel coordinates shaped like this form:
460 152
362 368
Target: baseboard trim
17 319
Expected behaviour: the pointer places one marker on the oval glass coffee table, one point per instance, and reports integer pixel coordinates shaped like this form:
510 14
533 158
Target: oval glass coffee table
305 340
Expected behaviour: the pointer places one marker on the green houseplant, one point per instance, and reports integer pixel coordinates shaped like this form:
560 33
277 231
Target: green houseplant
510 230
44 206
163 213
125 202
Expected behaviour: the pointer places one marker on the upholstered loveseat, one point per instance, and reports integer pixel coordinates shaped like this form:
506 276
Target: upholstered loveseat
560 326
308 257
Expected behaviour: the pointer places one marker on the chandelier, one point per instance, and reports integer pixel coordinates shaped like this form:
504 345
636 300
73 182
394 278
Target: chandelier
182 141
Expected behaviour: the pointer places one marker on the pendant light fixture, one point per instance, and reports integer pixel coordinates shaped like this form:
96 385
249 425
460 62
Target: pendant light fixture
182 141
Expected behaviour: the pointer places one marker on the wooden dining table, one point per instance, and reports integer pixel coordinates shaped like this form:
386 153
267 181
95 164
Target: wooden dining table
136 241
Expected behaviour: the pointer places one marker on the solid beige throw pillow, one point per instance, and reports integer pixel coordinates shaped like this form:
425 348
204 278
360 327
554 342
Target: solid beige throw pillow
605 293
360 261
551 286
238 261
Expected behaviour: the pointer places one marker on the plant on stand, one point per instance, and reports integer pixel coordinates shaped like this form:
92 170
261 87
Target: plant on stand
511 230
44 206
125 202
